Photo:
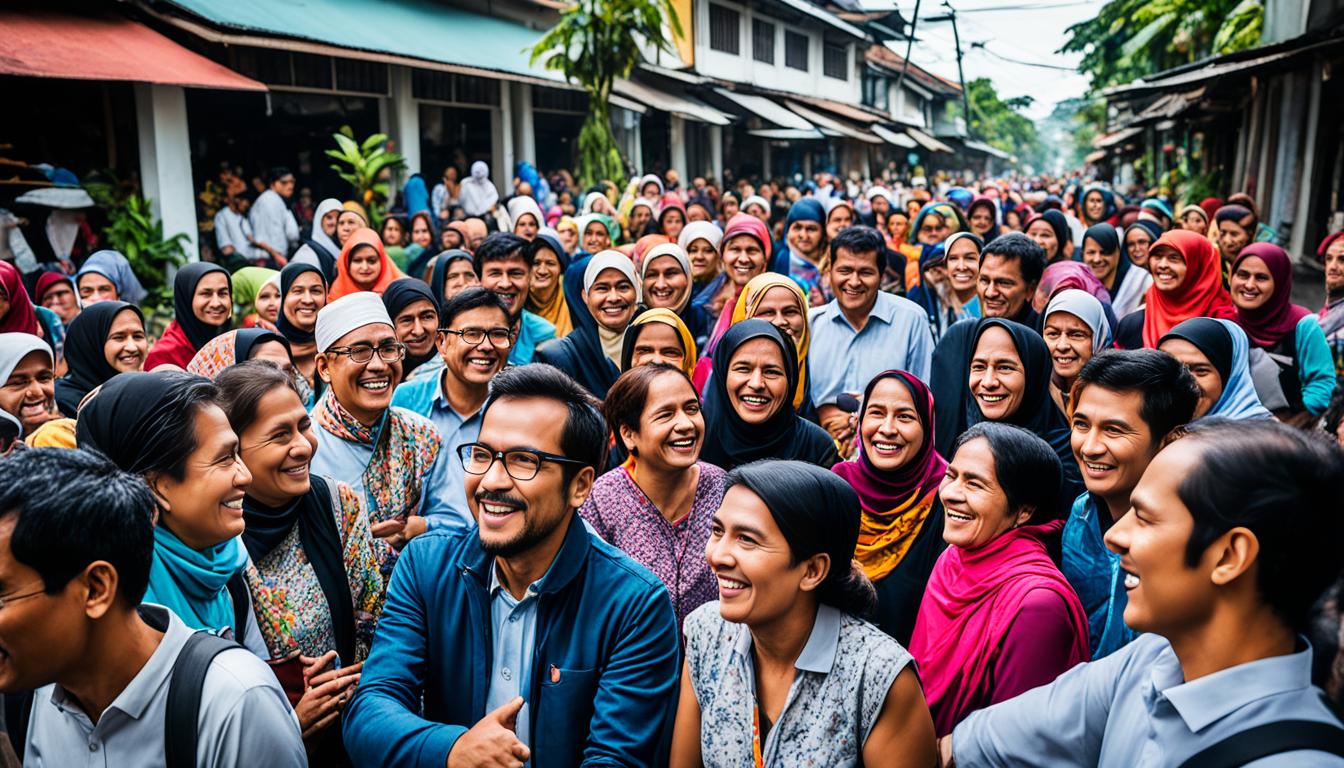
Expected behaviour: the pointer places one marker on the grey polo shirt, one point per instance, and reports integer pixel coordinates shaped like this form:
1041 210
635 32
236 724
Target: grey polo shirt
245 719
1134 708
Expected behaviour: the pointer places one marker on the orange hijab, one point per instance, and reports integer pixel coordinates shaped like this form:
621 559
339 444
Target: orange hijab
1201 294
345 284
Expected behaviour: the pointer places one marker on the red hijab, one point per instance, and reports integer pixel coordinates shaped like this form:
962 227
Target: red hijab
345 284
1277 317
1201 294
21 317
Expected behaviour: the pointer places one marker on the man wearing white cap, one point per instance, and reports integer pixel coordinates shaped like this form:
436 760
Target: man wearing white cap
394 457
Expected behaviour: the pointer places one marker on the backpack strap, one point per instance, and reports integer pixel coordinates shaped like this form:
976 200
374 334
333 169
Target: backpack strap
1270 739
242 604
184 697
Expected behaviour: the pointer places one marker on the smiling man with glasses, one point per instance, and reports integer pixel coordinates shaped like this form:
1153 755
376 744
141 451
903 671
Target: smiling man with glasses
393 457
528 638
474 343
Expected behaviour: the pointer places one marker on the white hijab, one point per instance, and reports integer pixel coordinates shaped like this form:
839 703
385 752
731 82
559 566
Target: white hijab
478 194
317 235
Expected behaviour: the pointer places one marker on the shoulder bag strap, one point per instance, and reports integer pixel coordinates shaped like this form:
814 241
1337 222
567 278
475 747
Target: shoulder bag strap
184 697
1270 739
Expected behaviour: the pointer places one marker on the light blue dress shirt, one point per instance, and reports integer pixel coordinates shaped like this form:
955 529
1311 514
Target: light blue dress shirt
425 397
346 461
532 331
1134 708
842 360
513 626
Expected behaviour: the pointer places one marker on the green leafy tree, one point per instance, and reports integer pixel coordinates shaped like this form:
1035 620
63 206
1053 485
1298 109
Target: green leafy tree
367 166
1000 123
134 230
1129 39
595 43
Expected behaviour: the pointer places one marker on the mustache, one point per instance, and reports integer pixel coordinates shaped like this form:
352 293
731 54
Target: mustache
499 497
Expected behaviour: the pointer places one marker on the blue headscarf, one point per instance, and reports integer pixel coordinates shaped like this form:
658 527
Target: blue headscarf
961 196
1107 199
415 196
1226 346
804 209
117 270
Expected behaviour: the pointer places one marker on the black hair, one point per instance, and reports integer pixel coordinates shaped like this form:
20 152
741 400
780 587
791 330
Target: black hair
584 437
625 401
860 240
1169 392
1016 246
1283 485
817 512
75 507
468 299
501 246
1026 467
277 173
242 386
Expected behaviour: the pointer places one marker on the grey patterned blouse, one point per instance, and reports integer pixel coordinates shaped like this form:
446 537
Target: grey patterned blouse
844 673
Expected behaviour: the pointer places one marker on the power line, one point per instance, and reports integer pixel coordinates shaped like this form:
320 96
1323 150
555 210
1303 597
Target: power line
1035 7
1024 63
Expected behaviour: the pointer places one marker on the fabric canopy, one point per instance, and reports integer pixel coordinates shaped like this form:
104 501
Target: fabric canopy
896 138
42 43
669 102
926 141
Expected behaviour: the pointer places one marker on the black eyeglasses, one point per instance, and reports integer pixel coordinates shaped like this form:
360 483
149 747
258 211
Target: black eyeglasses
520 463
499 337
390 352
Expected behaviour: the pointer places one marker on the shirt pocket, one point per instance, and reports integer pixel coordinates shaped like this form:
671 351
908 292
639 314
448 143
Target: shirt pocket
564 708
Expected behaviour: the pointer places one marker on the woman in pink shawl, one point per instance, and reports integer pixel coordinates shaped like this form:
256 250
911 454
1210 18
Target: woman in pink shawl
998 618
1063 275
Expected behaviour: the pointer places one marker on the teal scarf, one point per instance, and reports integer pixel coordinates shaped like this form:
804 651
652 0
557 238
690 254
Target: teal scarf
191 583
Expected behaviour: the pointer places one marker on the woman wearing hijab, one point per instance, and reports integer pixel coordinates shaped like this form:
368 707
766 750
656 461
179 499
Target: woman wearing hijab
1218 356
982 218
806 220
363 266
415 317
229 349
107 276
168 428
656 506
56 291
420 249
1187 282
747 403
525 216
546 295
597 231
896 474
1075 328
949 273
27 380
700 240
1236 229
202 307
934 223
1070 275
997 618
320 247
1262 286
1263 232
1111 265
591 353
477 194
303 292
256 295
453 271
1008 381
312 572
746 254
1050 230
1194 219
665 274
659 336
783 669
1138 241
1097 206
106 339
671 216
16 310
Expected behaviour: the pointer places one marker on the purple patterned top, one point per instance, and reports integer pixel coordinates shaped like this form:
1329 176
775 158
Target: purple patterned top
675 552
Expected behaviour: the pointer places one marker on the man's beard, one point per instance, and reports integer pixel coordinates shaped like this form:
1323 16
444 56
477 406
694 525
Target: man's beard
527 538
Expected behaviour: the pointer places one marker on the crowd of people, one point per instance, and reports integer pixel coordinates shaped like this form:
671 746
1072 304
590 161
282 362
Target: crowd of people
826 473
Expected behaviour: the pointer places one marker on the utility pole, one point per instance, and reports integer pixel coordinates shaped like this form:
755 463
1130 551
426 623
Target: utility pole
961 75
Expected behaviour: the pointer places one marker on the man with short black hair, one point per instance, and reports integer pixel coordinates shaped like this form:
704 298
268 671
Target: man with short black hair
76 545
1123 406
274 228
503 263
862 331
1010 267
526 638
1222 566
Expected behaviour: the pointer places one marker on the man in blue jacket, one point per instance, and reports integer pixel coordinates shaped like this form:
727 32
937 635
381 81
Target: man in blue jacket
527 638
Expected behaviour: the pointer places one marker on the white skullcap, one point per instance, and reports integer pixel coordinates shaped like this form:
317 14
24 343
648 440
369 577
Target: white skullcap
349 313
611 260
700 230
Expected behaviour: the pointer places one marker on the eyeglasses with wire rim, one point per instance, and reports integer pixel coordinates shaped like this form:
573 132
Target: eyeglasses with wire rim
520 463
499 337
390 352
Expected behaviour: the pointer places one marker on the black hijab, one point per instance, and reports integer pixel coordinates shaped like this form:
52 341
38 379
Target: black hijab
399 295
438 279
1107 239
1210 337
266 527
287 277
247 338
729 441
129 419
85 338
198 331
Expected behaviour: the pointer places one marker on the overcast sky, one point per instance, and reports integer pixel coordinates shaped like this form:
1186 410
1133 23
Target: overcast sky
1027 31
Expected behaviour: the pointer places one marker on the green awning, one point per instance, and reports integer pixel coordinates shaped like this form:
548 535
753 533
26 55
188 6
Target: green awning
418 29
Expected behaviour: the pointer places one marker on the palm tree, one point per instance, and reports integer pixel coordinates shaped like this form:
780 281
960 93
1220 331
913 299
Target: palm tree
596 42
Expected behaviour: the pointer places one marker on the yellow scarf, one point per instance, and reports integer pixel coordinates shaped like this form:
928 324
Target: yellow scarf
555 310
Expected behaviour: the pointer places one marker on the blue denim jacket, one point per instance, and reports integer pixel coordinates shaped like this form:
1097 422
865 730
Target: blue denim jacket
1094 572
603 685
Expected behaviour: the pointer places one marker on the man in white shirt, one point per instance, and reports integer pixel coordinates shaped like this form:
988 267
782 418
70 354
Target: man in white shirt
233 230
274 228
76 543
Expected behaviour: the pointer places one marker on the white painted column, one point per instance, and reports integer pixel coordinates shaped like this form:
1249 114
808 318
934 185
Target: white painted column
524 132
716 152
404 113
165 160
504 152
676 136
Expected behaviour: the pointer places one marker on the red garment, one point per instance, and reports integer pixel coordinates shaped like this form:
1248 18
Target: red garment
1201 294
972 601
172 348
345 284
21 318
1210 205
1278 316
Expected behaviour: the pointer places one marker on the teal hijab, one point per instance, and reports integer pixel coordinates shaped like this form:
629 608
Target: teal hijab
192 583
